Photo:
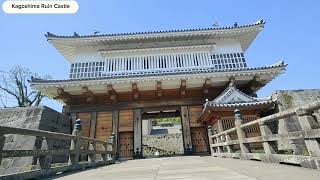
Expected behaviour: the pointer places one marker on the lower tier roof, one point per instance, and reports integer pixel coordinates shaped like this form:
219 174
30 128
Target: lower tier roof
254 78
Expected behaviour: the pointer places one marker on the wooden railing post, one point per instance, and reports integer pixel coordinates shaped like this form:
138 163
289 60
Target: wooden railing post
92 156
244 147
2 142
307 122
210 140
75 144
43 160
229 147
269 147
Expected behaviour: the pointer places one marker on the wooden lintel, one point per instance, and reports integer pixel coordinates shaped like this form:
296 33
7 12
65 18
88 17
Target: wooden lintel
159 89
183 87
135 104
135 91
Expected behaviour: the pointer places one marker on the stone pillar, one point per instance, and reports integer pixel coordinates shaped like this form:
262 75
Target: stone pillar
2 142
115 130
137 130
229 147
75 144
308 122
219 148
92 156
269 147
186 130
44 161
210 140
244 147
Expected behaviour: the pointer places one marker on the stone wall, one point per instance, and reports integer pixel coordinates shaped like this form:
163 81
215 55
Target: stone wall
287 99
165 144
42 118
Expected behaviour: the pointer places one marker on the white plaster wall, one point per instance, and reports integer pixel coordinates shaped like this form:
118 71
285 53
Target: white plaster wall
89 54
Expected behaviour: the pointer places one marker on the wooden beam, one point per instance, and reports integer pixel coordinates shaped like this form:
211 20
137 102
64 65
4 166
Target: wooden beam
159 89
88 95
206 86
112 93
66 97
138 104
135 91
254 84
232 81
183 87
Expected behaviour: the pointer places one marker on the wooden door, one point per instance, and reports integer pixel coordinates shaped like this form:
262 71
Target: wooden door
103 127
199 140
125 145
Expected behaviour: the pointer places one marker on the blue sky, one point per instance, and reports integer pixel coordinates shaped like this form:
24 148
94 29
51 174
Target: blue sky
291 33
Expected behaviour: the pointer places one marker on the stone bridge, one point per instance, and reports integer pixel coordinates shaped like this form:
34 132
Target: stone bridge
197 168
225 162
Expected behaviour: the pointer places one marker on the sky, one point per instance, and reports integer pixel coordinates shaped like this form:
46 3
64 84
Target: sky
290 34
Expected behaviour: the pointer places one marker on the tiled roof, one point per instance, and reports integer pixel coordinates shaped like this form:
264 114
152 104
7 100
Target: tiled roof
75 35
237 105
163 73
232 97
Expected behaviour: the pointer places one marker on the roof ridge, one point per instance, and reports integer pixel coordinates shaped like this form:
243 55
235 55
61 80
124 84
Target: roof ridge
260 22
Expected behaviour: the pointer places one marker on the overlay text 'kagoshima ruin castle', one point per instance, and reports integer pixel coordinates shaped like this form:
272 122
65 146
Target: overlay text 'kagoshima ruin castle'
200 75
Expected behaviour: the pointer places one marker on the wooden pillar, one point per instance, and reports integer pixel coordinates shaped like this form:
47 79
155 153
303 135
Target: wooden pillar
270 147
73 120
186 130
137 133
93 122
220 127
244 147
115 131
307 122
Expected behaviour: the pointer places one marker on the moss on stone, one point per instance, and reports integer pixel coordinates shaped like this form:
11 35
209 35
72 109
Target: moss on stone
288 100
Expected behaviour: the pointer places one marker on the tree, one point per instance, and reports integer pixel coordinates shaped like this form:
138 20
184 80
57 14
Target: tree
14 85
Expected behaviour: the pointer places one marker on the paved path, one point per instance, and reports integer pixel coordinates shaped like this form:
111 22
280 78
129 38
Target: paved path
195 167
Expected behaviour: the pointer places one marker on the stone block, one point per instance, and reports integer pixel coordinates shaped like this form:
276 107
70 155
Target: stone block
40 118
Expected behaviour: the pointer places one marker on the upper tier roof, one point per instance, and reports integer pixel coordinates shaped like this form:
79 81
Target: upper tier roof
121 41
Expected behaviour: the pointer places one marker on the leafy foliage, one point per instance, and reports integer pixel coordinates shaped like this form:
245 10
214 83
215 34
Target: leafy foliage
174 120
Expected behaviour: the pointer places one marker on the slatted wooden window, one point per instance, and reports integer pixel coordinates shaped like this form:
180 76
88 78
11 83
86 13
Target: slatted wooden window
228 123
